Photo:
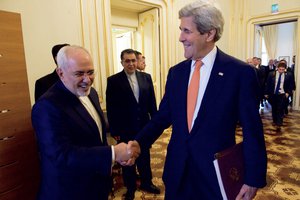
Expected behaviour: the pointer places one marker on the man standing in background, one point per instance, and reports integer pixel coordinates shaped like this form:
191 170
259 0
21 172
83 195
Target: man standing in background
279 87
130 103
261 76
291 70
141 65
44 83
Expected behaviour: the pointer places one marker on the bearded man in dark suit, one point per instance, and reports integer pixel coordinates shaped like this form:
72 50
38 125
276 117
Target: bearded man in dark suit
76 162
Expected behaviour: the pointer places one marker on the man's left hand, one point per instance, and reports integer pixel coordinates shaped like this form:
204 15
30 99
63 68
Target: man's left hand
246 193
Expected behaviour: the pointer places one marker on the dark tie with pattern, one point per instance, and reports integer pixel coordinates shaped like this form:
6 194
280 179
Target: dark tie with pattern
278 84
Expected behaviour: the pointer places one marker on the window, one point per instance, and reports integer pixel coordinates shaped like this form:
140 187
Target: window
264 55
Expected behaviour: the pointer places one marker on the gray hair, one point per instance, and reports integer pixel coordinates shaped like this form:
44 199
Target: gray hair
64 54
206 17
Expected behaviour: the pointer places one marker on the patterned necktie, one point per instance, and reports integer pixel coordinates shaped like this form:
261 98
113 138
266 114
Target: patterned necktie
278 84
193 93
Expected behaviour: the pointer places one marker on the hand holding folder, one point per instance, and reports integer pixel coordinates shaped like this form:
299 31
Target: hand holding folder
229 166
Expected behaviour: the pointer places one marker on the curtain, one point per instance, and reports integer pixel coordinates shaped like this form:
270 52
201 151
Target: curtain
270 34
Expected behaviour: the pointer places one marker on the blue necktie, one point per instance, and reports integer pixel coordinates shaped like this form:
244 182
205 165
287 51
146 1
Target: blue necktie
278 84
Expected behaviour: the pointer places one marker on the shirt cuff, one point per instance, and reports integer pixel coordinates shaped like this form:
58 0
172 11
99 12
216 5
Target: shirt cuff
113 155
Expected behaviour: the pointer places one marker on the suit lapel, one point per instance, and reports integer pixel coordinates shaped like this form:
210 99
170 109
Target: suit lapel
140 83
85 116
97 106
181 89
77 111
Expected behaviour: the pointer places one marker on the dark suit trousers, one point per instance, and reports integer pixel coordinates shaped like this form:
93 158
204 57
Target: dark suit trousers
278 105
191 188
143 166
187 185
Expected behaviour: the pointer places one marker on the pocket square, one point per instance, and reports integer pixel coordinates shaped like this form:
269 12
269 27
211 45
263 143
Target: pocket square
220 73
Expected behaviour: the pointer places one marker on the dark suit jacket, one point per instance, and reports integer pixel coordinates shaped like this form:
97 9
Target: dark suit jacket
125 115
261 75
288 84
268 70
75 163
291 73
231 95
292 68
44 83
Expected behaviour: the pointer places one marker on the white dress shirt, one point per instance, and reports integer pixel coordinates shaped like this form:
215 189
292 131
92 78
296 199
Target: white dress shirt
134 85
86 102
281 90
205 71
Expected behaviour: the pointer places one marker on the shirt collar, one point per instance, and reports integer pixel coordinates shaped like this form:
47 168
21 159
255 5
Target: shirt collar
209 59
130 75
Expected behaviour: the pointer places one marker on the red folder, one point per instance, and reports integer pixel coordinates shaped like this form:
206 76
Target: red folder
229 166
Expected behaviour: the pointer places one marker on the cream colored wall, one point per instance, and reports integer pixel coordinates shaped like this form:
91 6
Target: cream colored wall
81 22
259 7
124 18
88 23
75 23
45 23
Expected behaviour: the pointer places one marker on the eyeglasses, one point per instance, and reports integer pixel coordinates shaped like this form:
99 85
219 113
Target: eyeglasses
127 61
82 74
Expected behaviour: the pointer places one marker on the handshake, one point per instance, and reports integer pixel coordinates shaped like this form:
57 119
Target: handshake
126 154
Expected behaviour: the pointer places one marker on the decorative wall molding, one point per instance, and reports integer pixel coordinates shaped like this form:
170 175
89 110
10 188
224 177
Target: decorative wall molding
96 37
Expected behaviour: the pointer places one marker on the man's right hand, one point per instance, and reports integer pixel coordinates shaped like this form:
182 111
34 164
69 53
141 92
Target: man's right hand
121 153
127 154
134 148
